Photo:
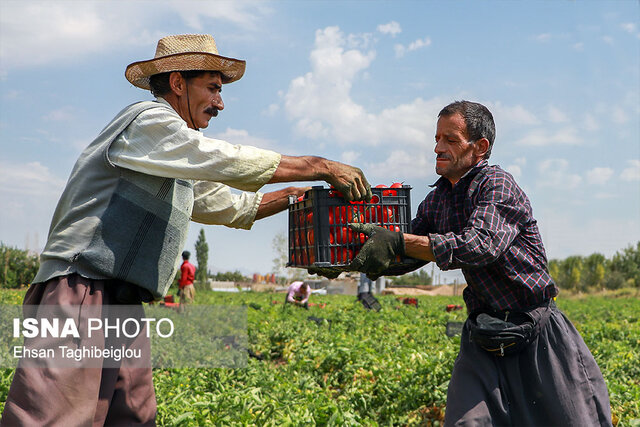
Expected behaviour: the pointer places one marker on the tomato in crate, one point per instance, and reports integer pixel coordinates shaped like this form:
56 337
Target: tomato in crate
319 232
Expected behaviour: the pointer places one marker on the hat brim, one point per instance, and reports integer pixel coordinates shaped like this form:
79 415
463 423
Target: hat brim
138 73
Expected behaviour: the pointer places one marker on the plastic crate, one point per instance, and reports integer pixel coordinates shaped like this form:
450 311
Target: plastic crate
319 232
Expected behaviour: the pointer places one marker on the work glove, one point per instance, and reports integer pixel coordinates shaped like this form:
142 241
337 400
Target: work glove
382 248
329 273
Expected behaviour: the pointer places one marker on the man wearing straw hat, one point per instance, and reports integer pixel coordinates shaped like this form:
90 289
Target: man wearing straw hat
122 220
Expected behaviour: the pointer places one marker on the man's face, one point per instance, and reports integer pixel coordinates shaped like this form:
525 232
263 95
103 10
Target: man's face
205 99
454 154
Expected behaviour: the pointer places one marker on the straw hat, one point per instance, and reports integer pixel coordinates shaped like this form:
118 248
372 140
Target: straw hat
185 53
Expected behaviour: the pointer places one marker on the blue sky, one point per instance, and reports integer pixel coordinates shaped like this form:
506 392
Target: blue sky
360 82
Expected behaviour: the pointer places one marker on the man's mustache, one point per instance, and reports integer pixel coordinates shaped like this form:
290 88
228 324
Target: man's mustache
212 111
443 156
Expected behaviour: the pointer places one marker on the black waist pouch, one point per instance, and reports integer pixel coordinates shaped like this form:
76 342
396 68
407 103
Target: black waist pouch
508 333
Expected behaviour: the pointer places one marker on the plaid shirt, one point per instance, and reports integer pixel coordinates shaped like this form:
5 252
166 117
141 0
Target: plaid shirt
485 226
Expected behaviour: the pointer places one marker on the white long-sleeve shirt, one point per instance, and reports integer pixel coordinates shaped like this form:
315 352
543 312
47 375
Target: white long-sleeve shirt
159 142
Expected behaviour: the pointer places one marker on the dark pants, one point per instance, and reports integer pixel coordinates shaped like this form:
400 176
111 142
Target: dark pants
555 381
61 396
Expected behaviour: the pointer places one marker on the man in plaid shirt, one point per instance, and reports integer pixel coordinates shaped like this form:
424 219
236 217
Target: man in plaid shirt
478 219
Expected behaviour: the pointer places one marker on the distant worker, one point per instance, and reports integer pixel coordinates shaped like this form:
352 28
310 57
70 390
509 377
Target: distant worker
186 289
298 294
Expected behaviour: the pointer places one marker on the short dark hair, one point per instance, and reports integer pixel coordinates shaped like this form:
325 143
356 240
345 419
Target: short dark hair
478 119
160 82
186 255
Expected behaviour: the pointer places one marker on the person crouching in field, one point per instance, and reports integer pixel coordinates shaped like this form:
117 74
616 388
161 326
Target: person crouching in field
521 361
298 294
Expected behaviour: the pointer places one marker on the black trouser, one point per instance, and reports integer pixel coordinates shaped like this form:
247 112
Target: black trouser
555 381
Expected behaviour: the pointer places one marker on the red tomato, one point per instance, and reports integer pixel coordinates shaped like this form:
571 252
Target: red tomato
331 219
310 237
310 218
396 185
349 253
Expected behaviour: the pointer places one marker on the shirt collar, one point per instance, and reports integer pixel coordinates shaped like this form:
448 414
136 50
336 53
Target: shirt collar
468 175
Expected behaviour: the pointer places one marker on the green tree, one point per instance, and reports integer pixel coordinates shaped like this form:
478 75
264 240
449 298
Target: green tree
593 270
230 276
420 277
17 267
627 265
554 270
202 257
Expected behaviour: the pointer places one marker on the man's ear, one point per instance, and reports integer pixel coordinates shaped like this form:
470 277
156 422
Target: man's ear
177 83
481 147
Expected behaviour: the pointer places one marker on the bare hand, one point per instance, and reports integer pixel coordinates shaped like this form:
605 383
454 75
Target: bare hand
350 181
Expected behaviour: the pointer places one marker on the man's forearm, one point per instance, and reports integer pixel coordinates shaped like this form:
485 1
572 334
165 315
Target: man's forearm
277 201
349 180
418 247
301 168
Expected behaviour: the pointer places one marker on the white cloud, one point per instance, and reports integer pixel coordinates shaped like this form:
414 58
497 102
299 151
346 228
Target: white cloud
544 137
607 39
554 173
414 45
244 14
11 94
399 50
392 28
349 157
29 179
631 173
37 33
629 27
242 137
590 122
578 46
403 165
521 161
514 170
544 37
420 43
512 115
619 115
63 114
320 102
599 176
271 110
556 115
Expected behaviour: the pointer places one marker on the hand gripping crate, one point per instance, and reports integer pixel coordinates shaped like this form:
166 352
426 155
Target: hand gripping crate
319 232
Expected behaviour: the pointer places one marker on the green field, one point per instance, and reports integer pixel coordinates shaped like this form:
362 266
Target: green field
364 368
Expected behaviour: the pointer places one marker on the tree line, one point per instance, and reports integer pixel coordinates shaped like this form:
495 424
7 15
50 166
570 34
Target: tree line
596 272
578 273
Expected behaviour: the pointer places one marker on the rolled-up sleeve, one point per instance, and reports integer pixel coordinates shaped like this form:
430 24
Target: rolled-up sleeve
158 142
215 203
